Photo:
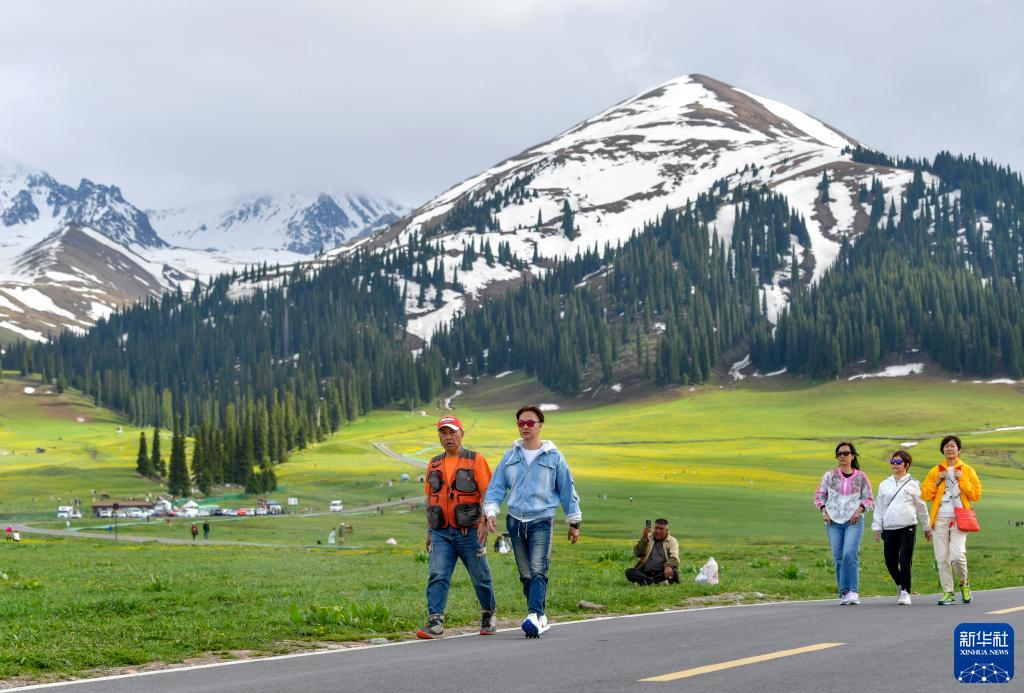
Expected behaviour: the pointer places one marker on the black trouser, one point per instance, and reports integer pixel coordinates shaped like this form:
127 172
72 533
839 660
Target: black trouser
898 546
649 577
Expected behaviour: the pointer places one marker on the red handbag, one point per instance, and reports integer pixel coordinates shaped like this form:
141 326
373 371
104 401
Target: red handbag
966 520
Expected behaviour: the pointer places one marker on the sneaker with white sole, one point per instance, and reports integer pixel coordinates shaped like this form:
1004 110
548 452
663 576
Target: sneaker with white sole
852 598
843 599
531 626
544 627
904 598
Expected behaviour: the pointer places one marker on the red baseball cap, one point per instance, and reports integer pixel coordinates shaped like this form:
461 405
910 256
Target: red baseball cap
449 422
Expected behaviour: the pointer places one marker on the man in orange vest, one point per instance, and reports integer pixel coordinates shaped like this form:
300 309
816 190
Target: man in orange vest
455 484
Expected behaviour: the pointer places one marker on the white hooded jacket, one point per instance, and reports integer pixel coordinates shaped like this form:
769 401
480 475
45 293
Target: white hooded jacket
899 504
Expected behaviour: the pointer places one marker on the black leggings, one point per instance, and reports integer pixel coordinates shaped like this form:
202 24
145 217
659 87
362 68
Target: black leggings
898 545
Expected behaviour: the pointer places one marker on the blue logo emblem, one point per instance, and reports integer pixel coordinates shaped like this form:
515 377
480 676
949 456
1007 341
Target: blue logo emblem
983 653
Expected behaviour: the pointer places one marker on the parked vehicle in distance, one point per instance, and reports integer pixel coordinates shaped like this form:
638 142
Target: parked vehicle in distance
121 514
241 511
274 508
231 512
135 513
105 512
337 506
65 512
261 511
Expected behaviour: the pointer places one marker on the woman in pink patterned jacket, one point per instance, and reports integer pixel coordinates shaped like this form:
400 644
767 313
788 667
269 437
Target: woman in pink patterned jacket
843 496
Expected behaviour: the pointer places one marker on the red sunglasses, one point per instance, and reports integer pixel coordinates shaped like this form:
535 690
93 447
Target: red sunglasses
528 423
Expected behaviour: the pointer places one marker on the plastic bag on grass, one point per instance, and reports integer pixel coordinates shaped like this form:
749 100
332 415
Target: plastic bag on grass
708 573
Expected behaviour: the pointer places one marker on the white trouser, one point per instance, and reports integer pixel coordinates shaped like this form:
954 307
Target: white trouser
950 546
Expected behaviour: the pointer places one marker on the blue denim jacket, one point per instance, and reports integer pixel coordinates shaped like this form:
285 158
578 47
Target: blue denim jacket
533 491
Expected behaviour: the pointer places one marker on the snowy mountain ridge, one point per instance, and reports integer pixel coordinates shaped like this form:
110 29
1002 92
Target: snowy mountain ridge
70 256
625 166
301 223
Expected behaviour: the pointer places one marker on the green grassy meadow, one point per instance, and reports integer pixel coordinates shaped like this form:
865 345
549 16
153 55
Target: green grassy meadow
733 468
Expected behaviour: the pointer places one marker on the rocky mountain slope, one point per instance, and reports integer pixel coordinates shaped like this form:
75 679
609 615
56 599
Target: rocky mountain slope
69 256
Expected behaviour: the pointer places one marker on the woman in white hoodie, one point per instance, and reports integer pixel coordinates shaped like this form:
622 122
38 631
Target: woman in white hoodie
898 510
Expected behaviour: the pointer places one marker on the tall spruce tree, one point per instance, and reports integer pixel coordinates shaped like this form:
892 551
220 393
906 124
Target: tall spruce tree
156 462
178 481
143 465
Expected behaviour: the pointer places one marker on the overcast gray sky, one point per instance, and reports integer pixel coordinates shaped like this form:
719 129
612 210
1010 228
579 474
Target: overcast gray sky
182 101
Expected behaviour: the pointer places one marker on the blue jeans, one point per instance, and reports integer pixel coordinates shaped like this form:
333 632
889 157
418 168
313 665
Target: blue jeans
446 547
531 544
845 542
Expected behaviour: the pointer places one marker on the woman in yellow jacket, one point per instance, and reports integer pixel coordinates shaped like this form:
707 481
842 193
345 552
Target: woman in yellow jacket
947 484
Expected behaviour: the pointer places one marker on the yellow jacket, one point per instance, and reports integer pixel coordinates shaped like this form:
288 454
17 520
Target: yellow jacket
970 487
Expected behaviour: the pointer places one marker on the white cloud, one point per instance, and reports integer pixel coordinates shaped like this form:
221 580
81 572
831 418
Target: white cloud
181 100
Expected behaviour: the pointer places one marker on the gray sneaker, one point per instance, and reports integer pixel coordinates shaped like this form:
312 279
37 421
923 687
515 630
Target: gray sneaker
433 629
488 623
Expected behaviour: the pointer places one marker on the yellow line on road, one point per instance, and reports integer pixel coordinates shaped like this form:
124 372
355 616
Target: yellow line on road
1007 611
697 671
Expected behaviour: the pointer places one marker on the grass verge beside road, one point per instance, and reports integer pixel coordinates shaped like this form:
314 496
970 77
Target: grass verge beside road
734 470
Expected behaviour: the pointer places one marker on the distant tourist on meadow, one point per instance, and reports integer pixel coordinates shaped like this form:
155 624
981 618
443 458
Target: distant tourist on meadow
206 530
455 484
658 552
9 532
898 512
950 485
195 531
843 496
535 478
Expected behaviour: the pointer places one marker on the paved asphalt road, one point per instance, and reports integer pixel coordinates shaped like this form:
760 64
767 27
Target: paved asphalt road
886 648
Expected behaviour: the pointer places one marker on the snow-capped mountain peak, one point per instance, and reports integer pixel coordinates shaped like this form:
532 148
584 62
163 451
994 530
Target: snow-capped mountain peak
303 223
604 178
29 198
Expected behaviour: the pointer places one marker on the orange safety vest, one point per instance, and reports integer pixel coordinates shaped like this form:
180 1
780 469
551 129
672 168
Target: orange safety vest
455 492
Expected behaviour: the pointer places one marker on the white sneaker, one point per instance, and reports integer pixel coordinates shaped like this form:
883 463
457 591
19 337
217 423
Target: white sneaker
844 599
904 598
531 626
852 598
544 627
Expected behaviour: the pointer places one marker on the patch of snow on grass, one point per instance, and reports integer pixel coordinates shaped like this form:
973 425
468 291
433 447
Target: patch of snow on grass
503 374
772 374
893 372
99 310
775 299
908 444
841 206
448 400
36 300
617 387
4 303
1002 381
549 407
724 223
735 373
34 335
802 194
29 390
424 326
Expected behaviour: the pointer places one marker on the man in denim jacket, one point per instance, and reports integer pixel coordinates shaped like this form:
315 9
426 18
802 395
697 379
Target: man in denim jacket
535 478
